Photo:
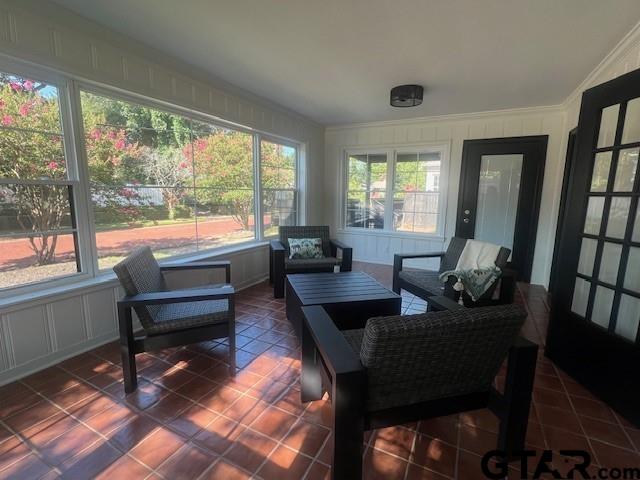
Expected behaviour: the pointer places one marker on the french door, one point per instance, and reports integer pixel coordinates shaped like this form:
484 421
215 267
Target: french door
593 330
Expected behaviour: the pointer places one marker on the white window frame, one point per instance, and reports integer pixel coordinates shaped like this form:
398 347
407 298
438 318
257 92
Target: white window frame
69 88
392 153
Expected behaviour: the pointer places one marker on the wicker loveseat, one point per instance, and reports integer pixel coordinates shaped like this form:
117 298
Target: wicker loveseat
402 369
280 264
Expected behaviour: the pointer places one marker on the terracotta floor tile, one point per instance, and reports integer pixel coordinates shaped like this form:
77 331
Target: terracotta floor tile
169 407
606 432
245 410
197 388
593 408
268 390
481 419
90 462
434 455
93 406
415 472
306 437
131 433
192 420
476 440
187 463
285 464
175 378
535 435
442 428
559 439
44 432
395 440
559 418
68 444
12 450
614 457
220 398
18 402
108 420
157 447
552 398
35 414
274 423
378 465
124 467
29 467
146 395
249 450
319 412
318 471
225 470
243 381
291 402
635 437
468 467
219 435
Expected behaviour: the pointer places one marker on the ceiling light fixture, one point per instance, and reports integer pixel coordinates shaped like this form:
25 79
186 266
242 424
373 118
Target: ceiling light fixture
406 95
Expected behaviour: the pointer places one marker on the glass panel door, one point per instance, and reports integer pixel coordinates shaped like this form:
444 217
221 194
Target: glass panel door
498 195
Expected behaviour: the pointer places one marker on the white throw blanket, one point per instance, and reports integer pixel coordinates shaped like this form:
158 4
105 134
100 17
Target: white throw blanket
478 255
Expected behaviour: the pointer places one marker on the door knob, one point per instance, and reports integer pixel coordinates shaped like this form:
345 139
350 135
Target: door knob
467 212
465 220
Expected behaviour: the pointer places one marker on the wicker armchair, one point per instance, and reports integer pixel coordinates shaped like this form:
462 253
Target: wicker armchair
426 283
402 369
280 264
170 318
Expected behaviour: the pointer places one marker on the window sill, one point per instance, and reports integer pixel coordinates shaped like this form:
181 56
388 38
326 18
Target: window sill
392 233
106 278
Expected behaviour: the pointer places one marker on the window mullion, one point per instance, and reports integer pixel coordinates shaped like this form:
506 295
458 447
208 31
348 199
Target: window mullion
78 170
257 189
389 193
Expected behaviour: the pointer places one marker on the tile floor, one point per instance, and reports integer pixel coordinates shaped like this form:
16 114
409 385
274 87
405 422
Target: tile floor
188 419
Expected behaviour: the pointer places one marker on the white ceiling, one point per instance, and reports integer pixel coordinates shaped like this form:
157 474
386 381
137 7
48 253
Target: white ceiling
335 61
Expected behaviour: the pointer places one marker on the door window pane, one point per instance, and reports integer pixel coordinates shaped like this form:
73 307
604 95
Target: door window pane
601 313
600 176
628 317
587 256
580 297
636 228
610 263
632 275
618 216
626 170
631 130
498 194
594 215
608 123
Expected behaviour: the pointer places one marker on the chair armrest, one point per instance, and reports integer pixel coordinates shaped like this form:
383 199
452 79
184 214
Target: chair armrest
338 244
336 353
177 296
276 246
403 256
507 285
226 264
440 303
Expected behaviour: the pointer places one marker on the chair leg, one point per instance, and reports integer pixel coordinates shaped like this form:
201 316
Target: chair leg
278 274
514 415
127 349
348 425
310 376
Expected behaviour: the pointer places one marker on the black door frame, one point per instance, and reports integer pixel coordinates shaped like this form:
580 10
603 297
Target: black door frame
604 363
571 151
534 149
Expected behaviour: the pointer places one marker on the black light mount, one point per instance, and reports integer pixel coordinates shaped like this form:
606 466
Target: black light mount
406 95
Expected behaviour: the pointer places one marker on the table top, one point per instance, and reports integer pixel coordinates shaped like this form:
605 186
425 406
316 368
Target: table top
325 288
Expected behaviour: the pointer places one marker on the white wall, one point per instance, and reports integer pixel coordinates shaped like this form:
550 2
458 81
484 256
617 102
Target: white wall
61 323
555 121
452 130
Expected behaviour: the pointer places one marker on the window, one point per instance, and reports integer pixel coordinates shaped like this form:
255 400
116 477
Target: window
366 190
165 180
78 194
416 193
278 166
38 235
395 190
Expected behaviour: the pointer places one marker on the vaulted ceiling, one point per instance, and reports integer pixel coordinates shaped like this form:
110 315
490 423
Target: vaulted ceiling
335 61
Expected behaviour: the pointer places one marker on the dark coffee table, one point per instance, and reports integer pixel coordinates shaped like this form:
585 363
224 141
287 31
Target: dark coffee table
350 298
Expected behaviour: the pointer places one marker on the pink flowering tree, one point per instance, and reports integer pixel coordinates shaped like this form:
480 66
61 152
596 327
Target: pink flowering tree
31 148
170 170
